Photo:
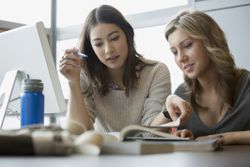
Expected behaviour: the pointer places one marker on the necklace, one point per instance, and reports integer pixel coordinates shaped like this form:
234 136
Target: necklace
115 86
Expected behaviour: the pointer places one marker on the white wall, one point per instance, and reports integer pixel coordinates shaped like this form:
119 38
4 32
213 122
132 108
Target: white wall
232 16
236 24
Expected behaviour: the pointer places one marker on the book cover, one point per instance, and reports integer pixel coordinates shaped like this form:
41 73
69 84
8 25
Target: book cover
158 147
136 148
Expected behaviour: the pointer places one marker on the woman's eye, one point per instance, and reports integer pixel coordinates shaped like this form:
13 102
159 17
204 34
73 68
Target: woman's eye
187 45
174 52
115 38
99 44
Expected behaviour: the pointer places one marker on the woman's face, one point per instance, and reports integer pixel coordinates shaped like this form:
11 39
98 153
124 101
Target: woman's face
110 45
189 54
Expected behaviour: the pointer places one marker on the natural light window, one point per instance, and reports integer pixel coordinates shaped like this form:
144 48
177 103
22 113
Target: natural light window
26 11
156 47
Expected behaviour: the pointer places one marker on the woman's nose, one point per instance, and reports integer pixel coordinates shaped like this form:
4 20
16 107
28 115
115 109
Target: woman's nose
108 48
181 57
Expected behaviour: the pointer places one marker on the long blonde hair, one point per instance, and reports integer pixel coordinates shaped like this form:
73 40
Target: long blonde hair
201 26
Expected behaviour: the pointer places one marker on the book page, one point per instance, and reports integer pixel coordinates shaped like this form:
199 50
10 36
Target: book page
111 137
172 124
134 132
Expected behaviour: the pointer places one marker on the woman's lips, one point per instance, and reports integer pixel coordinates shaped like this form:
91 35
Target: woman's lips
188 67
112 58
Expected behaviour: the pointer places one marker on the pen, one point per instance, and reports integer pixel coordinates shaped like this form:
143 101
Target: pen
82 55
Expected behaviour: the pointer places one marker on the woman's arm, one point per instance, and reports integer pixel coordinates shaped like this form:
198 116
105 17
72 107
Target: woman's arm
176 107
159 88
78 119
77 116
229 138
160 119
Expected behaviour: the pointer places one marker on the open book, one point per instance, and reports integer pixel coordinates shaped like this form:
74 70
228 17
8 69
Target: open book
139 132
157 147
142 132
53 140
138 139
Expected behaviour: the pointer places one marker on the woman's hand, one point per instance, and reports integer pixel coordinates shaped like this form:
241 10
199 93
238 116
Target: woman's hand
177 107
70 65
184 133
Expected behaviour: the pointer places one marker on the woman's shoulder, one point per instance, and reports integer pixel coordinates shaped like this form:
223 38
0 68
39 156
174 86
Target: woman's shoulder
247 74
181 92
154 69
244 78
154 64
180 89
150 61
243 85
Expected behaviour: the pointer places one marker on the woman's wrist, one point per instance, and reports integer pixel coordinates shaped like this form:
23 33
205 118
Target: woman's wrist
166 114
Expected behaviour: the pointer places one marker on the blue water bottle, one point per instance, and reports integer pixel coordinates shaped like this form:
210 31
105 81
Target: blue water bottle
32 102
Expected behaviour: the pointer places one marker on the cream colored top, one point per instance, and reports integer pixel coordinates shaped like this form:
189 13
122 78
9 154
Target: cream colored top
114 111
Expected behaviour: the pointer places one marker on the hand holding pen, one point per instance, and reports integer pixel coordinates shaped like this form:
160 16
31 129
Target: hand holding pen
71 63
82 55
76 52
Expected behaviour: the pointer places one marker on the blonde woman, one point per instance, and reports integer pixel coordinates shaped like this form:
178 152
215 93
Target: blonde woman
214 99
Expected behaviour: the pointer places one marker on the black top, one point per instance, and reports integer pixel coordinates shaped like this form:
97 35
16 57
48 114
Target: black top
237 117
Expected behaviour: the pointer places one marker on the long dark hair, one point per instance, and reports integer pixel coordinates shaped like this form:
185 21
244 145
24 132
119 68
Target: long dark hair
96 70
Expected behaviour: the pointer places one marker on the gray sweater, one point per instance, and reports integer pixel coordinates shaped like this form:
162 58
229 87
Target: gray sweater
237 117
115 110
